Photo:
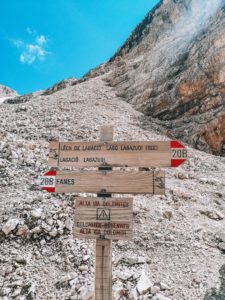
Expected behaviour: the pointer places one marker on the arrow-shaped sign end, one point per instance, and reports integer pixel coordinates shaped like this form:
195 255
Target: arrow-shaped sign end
177 162
176 144
49 189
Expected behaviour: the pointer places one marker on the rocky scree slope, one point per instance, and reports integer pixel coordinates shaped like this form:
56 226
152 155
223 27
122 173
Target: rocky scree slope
172 69
179 239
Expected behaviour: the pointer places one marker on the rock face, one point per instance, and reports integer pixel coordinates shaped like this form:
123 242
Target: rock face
172 69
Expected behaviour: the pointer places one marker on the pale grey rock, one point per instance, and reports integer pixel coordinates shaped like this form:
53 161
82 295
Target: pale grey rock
117 289
132 260
60 224
68 277
85 258
36 213
61 231
222 246
53 233
144 284
83 268
7 270
5 151
16 292
221 236
46 227
73 282
42 242
155 289
4 291
86 293
164 286
133 294
69 224
21 260
22 230
49 222
124 275
10 225
37 230
203 180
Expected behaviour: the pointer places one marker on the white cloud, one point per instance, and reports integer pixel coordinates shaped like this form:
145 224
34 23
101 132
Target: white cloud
41 39
18 43
30 31
32 51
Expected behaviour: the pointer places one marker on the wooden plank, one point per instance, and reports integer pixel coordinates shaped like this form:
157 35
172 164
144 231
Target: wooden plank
103 282
121 182
106 133
116 154
103 270
111 218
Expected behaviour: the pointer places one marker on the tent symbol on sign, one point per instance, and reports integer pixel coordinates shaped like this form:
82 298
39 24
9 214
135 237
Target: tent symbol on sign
103 214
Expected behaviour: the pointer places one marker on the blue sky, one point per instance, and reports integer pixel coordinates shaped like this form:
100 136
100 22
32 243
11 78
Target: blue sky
45 41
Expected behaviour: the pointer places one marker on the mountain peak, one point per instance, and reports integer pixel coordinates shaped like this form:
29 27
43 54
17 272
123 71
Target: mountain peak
6 92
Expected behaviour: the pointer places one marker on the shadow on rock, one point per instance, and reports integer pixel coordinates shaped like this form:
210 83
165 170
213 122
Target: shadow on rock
219 294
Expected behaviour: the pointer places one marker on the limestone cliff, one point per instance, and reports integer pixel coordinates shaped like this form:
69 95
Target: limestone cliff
172 68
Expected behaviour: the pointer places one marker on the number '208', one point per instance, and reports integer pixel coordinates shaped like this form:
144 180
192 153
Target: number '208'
180 153
47 181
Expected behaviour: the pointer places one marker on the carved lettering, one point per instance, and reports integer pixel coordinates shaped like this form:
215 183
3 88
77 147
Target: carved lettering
76 148
152 148
94 159
111 147
69 159
85 231
92 148
84 203
65 148
115 204
131 148
65 181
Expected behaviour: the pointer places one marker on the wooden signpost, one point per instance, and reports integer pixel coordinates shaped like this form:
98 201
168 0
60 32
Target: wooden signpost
103 250
106 218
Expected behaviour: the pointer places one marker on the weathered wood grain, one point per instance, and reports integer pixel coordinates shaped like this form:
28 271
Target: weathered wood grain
114 154
103 256
121 182
111 218
103 270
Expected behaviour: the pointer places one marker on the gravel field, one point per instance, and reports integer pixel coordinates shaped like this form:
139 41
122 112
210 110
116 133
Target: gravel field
179 239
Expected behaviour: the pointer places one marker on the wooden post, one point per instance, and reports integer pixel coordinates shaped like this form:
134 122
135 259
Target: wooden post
103 254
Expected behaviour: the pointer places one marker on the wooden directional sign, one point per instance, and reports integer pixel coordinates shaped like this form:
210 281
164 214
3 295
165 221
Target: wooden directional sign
121 182
117 154
110 218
